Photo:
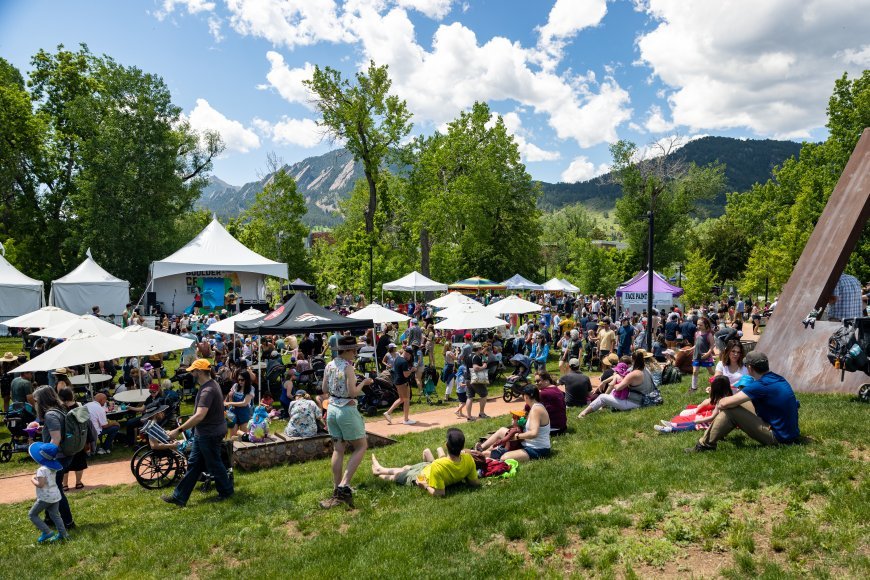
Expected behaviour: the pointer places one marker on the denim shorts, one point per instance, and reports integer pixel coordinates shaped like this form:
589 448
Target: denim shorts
345 423
702 363
532 453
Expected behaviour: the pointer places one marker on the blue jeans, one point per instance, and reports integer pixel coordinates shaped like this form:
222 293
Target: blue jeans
110 432
205 456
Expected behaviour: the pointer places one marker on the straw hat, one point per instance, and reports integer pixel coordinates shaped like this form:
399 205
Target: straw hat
9 357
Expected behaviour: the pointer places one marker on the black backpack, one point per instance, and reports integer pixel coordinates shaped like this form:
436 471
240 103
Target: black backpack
671 375
845 352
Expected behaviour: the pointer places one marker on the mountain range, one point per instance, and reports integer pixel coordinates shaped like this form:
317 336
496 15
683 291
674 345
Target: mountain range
325 180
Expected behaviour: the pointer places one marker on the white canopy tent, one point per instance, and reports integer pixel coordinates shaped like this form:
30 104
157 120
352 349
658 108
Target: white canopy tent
86 323
378 314
517 282
42 318
569 287
469 318
19 294
88 286
454 298
211 259
513 305
415 282
228 325
556 285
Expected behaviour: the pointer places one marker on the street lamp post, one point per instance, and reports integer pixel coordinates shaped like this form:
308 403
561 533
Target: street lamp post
649 275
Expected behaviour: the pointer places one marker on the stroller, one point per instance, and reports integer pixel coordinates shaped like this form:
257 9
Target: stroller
273 382
17 419
591 358
430 382
187 384
514 385
380 394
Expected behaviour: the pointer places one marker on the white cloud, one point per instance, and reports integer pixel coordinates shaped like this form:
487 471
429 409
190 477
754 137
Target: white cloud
566 19
767 66
193 7
435 9
214 28
288 22
287 81
581 169
656 122
300 132
235 135
528 151
458 71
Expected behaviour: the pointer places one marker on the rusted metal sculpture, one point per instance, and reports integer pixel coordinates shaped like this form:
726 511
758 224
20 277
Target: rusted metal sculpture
797 353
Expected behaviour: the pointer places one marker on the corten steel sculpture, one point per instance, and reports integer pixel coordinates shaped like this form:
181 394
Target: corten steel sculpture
800 354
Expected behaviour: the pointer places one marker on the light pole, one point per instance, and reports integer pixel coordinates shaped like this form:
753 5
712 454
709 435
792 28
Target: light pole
649 275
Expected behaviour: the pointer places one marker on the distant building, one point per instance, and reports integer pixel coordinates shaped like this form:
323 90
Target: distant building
610 244
313 237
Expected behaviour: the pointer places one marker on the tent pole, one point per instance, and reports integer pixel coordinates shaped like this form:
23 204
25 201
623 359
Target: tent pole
259 372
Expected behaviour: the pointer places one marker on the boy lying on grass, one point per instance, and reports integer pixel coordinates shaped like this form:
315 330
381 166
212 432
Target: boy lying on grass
434 475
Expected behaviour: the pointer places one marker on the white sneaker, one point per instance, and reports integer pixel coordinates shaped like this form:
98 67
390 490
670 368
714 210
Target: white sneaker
409 422
101 451
663 429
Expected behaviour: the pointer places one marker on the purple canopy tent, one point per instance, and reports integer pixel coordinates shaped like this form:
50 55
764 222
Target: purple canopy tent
633 294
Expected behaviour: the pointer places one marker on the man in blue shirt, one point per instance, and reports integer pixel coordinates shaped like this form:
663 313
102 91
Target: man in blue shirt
688 330
775 420
626 333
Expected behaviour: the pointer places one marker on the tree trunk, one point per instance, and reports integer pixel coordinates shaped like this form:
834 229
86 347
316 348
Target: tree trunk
425 249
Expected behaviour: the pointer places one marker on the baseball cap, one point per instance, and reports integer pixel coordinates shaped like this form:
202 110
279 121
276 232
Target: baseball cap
574 363
299 393
153 387
200 364
756 359
468 335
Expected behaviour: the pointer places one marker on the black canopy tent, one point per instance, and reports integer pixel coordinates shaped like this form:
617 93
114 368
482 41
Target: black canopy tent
301 315
298 285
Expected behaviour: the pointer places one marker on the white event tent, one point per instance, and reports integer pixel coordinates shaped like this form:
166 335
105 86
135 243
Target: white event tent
415 282
210 262
19 294
88 286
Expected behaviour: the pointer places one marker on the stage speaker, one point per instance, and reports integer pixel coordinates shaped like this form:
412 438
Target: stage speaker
150 301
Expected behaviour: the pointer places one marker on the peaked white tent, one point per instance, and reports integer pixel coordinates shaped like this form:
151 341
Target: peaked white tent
415 282
211 262
517 282
19 294
88 286
569 286
557 285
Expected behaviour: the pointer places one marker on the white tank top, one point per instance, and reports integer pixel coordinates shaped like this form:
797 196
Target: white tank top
542 439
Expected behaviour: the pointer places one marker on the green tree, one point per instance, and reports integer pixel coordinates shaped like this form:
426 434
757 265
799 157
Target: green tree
698 283
368 120
103 161
273 226
471 200
663 184
725 243
779 215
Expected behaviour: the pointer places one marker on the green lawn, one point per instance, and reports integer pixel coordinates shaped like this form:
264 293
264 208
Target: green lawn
615 500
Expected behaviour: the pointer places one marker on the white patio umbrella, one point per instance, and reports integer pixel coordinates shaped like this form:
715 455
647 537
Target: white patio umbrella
82 348
378 314
469 318
452 299
227 325
42 318
85 323
472 305
513 305
142 341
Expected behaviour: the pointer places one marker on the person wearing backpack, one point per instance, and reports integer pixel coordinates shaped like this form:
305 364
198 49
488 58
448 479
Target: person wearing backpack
79 461
50 411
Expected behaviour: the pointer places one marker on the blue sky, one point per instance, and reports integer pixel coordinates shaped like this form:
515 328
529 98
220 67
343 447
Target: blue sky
569 76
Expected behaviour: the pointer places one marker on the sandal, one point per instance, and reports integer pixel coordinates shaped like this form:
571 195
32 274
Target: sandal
471 418
80 486
66 488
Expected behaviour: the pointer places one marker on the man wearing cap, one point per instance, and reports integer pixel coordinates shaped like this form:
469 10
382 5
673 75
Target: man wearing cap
606 338
345 424
476 389
415 333
626 334
577 385
210 428
775 419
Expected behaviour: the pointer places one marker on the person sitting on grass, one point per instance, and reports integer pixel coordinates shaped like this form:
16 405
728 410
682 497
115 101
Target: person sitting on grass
695 418
730 363
305 418
534 440
628 393
553 400
775 420
434 475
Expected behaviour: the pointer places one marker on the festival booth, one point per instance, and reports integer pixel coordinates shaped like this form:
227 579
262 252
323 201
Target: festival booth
211 264
557 285
632 296
414 282
301 315
517 282
19 294
476 284
88 286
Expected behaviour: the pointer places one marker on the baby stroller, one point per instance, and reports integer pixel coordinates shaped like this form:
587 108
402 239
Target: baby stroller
430 382
318 365
591 358
380 394
273 382
17 419
514 385
187 384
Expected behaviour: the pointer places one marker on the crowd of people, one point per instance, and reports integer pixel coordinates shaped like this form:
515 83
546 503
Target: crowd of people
582 332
